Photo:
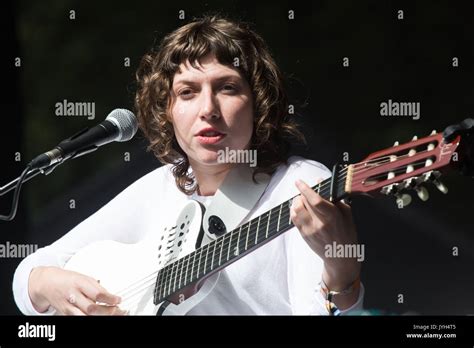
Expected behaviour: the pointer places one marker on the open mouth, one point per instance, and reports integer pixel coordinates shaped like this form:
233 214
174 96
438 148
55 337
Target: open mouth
210 136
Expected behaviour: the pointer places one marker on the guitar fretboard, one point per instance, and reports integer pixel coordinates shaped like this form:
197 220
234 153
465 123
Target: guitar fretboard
228 248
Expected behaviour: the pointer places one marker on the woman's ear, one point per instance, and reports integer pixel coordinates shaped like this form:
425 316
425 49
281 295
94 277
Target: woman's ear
169 114
169 117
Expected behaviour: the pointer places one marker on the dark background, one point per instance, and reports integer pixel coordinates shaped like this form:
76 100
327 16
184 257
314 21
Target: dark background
408 251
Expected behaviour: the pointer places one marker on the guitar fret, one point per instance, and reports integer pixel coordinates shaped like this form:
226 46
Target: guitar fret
268 223
205 261
232 248
181 273
199 263
271 226
237 251
187 267
192 267
159 285
279 216
213 253
258 226
289 215
230 242
222 247
175 275
247 239
171 277
163 287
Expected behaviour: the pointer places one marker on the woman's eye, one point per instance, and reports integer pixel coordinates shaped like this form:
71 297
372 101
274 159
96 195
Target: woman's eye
185 93
229 88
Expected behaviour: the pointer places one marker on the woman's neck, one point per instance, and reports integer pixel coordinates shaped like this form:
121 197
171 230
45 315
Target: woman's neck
209 177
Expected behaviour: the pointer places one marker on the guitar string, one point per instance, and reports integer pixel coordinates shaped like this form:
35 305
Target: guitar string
172 274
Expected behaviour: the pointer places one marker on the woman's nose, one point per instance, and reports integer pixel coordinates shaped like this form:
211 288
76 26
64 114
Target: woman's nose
210 106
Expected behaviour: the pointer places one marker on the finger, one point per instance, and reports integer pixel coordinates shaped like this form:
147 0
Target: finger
98 293
97 309
73 310
313 215
82 302
345 209
343 205
90 307
298 211
317 204
297 205
302 219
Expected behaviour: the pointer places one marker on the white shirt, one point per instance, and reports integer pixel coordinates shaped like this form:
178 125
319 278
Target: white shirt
281 277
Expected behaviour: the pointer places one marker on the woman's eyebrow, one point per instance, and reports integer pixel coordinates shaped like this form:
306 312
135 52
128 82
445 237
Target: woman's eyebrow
217 80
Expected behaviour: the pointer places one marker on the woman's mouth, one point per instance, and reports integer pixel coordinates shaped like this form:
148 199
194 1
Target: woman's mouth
209 136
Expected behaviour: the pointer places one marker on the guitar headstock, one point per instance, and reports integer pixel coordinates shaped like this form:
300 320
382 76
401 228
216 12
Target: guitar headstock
404 167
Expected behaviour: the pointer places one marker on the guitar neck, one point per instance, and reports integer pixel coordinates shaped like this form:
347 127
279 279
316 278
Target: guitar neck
237 243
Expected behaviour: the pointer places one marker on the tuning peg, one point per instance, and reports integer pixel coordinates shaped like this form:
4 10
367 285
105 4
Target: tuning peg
422 193
440 186
433 132
411 182
426 176
390 189
403 200
414 138
396 143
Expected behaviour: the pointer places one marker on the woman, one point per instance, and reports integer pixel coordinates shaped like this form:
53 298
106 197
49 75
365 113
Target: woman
211 86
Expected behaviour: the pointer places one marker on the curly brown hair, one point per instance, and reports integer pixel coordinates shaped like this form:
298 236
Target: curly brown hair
227 40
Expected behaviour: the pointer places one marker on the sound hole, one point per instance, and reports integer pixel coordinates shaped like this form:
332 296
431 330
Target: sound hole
216 225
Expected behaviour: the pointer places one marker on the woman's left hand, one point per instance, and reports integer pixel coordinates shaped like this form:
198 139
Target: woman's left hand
324 225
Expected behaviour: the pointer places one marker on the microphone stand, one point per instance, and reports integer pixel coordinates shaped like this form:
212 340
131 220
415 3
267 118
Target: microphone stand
28 174
31 174
46 170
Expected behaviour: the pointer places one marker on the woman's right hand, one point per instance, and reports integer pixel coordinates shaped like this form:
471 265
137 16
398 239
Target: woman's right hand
70 293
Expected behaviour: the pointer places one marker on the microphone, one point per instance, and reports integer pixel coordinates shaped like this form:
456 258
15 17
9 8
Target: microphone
120 125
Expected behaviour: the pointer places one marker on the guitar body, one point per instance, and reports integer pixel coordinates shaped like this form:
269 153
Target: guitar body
130 270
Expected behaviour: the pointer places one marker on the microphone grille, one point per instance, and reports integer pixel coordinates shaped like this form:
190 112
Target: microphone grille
125 121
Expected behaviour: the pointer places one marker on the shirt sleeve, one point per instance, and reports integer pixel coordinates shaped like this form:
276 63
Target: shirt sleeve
118 220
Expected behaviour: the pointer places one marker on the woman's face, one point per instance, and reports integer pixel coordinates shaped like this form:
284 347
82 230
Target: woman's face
212 109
